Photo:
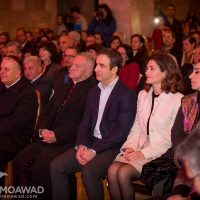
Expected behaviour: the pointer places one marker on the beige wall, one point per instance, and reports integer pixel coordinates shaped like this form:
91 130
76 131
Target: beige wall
182 7
27 13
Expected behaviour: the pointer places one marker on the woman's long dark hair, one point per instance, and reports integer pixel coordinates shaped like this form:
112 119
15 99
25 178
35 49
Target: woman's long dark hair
129 52
109 16
114 37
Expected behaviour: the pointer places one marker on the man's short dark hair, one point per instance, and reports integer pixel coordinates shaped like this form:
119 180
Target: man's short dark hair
4 43
195 32
172 32
50 31
21 28
170 5
59 15
190 38
74 48
114 57
91 35
75 9
96 47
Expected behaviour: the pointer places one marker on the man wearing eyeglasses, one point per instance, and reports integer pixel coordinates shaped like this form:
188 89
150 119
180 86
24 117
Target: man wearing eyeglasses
64 42
169 45
61 76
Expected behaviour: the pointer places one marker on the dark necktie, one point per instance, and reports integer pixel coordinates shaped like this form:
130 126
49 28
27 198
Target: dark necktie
73 87
66 77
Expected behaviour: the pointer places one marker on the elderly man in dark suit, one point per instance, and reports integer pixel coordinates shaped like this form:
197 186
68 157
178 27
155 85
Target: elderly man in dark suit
61 76
33 72
18 109
57 126
108 117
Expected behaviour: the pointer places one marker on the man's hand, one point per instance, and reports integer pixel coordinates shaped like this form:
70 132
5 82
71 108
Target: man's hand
88 155
79 154
178 197
135 155
48 136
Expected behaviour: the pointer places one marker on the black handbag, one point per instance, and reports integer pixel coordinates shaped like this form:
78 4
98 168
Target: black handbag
157 170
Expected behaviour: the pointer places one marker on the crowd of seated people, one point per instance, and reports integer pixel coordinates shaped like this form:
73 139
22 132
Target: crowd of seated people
107 108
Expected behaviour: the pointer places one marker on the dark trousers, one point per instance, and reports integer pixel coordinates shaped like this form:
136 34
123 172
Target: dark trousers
7 152
92 172
7 149
43 154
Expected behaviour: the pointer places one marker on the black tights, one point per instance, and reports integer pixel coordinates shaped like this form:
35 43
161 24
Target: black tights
120 177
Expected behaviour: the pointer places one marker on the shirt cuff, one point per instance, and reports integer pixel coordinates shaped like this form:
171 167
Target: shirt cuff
76 147
94 152
40 133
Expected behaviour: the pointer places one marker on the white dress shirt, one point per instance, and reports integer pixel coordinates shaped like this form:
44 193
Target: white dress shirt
105 93
8 86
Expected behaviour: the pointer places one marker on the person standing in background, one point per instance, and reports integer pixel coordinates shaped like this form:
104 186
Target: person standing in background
103 22
80 23
174 24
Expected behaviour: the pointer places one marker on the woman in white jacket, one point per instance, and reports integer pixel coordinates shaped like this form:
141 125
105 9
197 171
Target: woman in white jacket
150 136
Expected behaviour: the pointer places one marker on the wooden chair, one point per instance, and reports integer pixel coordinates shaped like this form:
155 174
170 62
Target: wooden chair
39 104
81 192
52 94
9 171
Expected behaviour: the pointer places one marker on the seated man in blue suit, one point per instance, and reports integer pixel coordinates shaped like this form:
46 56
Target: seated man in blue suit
108 117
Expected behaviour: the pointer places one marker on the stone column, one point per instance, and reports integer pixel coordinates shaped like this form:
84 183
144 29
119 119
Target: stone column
132 16
28 14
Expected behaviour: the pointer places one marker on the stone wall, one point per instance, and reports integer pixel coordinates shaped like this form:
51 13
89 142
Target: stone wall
27 13
87 7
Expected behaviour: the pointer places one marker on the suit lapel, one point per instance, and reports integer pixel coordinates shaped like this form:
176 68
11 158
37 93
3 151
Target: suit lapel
61 76
62 94
112 97
79 91
95 107
37 81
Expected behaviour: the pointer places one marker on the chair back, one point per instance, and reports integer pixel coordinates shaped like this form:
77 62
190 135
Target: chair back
51 94
39 104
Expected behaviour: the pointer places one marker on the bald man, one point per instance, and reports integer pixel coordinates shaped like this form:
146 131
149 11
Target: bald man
64 43
18 109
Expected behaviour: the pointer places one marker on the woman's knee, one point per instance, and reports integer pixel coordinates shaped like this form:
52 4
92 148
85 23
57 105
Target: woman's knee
113 170
127 173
